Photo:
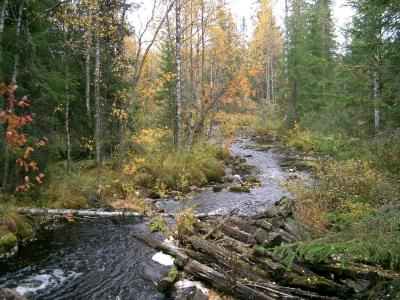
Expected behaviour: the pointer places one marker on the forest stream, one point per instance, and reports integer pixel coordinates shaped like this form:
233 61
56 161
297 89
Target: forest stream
101 259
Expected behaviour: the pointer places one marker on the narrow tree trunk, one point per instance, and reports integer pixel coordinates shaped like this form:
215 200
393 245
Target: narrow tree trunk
178 61
67 129
377 112
272 80
13 82
202 49
121 51
87 75
67 133
3 10
377 79
98 116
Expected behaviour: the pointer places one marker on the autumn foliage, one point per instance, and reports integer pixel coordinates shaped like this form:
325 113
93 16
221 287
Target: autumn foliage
17 140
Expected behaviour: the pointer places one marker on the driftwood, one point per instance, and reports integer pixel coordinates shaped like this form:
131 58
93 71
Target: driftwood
78 213
94 213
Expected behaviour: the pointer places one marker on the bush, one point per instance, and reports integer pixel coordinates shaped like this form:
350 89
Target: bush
185 224
305 140
269 126
350 179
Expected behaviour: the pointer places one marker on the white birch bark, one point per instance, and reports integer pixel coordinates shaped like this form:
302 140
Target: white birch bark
178 62
98 116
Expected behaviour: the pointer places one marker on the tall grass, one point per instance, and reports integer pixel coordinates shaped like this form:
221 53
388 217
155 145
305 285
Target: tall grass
178 169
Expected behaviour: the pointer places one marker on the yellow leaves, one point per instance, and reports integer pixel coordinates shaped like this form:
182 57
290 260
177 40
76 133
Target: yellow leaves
119 113
133 167
87 144
150 137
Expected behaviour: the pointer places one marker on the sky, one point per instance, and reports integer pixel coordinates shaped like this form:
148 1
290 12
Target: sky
246 8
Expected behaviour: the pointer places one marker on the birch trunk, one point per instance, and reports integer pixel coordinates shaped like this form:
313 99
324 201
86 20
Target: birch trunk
178 61
3 10
202 49
376 79
87 75
67 129
13 82
98 116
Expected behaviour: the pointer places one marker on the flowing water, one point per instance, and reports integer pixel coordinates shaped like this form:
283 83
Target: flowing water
270 174
96 259
100 259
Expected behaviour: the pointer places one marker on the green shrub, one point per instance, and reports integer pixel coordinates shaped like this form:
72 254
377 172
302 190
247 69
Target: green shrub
158 224
185 224
373 237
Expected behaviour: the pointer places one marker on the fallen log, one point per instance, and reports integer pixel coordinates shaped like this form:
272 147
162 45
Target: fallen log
238 234
231 260
243 225
78 213
203 272
356 271
215 228
242 288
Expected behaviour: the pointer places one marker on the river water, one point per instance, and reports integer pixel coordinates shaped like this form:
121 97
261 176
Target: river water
269 172
100 258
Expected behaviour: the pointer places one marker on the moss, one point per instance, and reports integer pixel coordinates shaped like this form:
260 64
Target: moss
259 251
313 283
217 188
239 189
158 225
166 284
172 274
8 240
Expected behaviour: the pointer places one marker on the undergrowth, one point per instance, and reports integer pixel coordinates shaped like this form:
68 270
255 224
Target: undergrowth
178 170
352 205
372 237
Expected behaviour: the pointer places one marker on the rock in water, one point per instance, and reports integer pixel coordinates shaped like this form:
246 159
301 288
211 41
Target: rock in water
9 294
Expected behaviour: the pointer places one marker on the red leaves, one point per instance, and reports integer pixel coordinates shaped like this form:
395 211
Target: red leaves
27 152
17 139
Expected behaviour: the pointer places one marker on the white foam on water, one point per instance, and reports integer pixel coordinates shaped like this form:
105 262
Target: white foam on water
163 259
184 284
33 284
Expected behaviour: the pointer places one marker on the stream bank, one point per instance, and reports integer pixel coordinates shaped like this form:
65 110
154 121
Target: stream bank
100 258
